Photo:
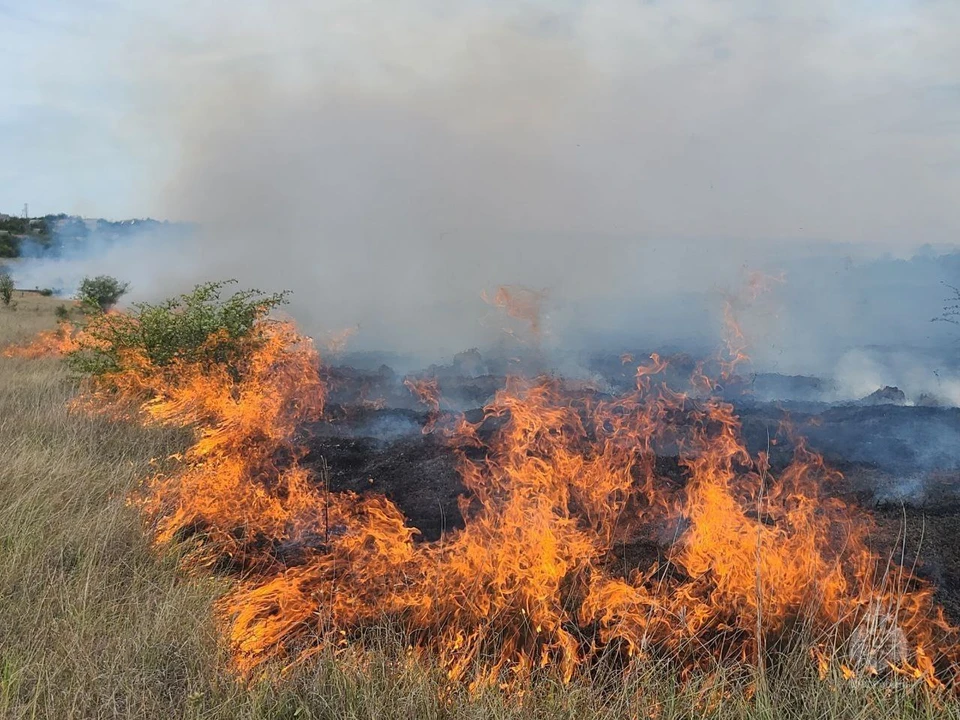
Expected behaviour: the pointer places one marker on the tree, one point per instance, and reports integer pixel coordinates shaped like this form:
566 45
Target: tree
102 292
6 287
9 245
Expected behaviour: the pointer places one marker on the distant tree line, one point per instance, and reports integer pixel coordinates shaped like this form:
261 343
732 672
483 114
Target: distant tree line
53 233
15 230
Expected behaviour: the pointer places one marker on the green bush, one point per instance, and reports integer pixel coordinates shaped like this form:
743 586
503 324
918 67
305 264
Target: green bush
9 245
197 327
6 288
102 292
62 313
47 292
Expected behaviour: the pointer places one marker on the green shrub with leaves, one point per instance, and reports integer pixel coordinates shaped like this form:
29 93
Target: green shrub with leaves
196 327
6 288
101 292
9 245
62 313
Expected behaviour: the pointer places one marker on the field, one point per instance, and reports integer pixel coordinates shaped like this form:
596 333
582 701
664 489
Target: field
95 623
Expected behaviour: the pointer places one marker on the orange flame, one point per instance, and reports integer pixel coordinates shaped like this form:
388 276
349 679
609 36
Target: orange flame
49 343
427 392
537 577
521 303
240 489
336 342
735 340
529 581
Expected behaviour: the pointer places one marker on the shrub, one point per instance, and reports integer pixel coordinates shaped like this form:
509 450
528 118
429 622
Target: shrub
6 288
102 292
47 292
197 327
62 313
9 245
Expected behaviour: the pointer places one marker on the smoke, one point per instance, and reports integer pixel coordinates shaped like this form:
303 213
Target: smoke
389 163
131 251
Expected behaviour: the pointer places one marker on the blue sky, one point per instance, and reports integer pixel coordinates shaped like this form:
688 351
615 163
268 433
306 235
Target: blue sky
840 117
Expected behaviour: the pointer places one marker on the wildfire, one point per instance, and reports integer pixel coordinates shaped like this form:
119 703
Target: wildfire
521 303
426 390
50 343
757 284
336 342
240 491
531 581
538 577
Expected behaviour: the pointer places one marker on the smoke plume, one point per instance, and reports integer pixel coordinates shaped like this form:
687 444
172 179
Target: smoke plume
390 163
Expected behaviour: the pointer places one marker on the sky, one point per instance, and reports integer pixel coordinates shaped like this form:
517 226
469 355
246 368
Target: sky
389 162
775 119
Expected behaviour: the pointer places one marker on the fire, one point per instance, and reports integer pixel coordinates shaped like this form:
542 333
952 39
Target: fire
239 489
427 392
757 284
63 340
559 482
245 501
336 342
531 581
520 303
50 343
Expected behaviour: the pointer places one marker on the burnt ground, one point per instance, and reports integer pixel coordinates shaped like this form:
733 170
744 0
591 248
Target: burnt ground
901 465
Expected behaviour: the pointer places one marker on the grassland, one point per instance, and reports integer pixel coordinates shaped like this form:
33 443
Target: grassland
95 624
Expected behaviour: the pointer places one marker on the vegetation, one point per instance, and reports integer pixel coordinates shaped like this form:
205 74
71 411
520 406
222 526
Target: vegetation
14 230
15 225
61 312
196 327
9 245
57 232
94 623
101 292
6 288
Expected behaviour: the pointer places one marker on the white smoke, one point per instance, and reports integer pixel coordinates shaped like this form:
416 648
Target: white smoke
388 162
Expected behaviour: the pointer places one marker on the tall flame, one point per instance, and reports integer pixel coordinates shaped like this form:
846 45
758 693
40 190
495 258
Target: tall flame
558 482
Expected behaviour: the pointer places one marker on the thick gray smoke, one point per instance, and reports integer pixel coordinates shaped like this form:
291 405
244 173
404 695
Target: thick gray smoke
388 163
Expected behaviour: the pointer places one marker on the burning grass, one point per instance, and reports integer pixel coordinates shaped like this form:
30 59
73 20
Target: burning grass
769 586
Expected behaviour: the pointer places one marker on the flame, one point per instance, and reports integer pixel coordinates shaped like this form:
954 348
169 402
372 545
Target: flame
521 303
49 343
530 581
65 339
559 481
427 392
734 338
336 342
239 488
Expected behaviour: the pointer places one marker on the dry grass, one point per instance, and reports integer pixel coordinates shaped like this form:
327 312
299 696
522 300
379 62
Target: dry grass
93 624
29 313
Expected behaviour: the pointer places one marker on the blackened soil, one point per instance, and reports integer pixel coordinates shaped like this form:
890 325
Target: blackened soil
417 472
916 506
